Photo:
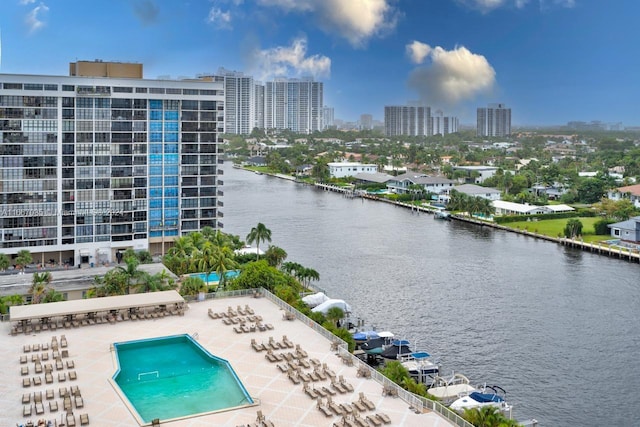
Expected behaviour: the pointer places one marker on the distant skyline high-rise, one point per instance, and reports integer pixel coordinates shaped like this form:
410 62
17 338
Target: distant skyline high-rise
328 117
443 125
294 104
366 122
495 120
240 102
407 120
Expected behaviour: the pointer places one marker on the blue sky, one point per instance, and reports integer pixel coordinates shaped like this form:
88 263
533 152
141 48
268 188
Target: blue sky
551 61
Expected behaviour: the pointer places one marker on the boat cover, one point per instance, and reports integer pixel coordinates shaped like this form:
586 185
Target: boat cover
365 335
485 397
315 299
330 303
398 347
373 344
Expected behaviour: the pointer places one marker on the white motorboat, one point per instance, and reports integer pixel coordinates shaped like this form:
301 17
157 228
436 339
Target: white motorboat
487 396
420 366
448 391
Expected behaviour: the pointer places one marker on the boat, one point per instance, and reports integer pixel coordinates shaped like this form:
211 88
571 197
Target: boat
442 214
486 396
396 350
420 367
447 391
374 345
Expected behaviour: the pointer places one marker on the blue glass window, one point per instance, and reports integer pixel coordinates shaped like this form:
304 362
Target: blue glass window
155 192
156 136
171 203
171 214
171 115
155 148
155 203
170 180
171 170
155 126
171 137
171 192
171 159
155 104
155 170
155 181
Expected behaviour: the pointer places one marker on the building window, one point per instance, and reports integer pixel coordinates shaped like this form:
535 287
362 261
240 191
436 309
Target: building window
616 232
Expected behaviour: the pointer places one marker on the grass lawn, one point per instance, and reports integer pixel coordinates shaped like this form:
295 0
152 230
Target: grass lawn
555 227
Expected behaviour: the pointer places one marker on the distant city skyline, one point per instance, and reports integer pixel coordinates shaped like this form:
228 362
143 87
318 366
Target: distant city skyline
551 61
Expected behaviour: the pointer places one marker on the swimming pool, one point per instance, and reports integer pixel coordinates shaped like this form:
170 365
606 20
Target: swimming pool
175 377
214 277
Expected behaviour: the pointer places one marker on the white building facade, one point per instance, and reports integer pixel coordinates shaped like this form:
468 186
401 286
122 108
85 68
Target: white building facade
345 169
294 104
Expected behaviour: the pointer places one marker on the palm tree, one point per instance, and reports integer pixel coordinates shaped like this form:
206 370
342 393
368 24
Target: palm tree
39 286
334 315
131 272
222 262
259 233
23 259
307 275
275 255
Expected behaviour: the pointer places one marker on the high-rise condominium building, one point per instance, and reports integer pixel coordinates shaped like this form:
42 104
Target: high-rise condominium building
93 164
366 121
407 120
443 125
239 102
294 104
328 117
494 121
258 120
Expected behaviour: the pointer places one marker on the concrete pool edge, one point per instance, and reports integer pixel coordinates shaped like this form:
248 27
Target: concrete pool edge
131 408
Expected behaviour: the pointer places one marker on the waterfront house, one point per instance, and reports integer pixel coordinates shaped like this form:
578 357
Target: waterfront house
345 169
402 184
631 192
477 174
473 190
627 231
376 178
511 208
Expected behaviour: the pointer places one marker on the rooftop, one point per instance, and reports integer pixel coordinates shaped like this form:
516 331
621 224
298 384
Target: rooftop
279 399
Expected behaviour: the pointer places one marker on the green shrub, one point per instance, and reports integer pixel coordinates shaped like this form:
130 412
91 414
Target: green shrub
601 228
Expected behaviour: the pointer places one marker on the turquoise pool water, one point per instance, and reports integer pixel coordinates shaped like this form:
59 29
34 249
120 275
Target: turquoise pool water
175 377
214 277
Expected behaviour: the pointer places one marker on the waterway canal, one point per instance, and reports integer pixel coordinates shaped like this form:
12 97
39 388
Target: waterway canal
558 328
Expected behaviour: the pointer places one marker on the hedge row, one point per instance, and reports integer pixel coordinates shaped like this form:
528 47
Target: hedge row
572 214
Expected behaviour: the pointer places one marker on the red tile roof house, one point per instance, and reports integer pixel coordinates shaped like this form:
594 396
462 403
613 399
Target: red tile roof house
631 192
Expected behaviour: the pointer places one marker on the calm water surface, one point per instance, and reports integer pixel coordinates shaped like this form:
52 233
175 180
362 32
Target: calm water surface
557 328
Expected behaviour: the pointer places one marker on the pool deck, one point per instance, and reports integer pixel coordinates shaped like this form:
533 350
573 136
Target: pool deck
281 402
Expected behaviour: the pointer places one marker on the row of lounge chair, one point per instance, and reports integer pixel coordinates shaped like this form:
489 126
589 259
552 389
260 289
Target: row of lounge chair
246 311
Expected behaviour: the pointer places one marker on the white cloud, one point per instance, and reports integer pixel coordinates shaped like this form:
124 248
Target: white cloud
355 20
290 61
219 18
418 51
452 76
23 2
34 18
489 5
